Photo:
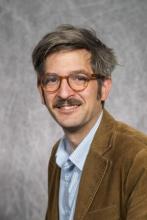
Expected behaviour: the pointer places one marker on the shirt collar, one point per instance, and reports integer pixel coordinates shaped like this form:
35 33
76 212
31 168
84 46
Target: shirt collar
62 155
78 156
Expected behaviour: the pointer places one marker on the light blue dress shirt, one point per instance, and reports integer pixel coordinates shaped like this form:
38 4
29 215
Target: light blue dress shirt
71 164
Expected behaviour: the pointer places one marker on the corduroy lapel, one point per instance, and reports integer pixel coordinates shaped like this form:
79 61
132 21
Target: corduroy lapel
95 166
55 211
54 182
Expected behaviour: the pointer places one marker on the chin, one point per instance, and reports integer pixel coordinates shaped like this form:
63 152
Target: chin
70 127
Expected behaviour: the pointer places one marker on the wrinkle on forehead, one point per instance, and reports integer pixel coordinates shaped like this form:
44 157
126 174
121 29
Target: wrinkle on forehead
68 61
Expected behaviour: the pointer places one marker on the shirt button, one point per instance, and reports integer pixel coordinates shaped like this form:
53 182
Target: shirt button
67 178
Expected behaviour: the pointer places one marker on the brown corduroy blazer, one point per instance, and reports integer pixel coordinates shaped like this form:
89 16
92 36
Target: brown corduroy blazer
113 185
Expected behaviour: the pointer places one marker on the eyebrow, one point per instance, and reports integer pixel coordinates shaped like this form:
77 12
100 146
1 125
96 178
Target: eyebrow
72 72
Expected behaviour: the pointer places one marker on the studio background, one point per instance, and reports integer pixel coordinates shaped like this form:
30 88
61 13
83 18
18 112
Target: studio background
27 131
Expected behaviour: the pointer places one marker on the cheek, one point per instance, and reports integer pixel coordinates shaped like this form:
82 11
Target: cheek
91 98
93 93
48 100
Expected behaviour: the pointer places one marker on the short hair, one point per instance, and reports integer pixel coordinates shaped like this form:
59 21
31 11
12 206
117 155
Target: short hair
69 37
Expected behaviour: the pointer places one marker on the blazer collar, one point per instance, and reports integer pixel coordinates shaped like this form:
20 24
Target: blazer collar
95 166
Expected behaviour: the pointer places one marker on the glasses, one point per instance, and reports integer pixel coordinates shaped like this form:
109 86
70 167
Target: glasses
76 81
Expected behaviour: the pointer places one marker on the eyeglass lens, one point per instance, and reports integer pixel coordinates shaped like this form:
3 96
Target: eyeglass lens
78 82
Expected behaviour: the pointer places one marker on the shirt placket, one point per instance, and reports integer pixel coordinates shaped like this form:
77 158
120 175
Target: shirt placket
67 176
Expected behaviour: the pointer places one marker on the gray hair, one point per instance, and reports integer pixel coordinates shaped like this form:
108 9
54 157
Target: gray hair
68 37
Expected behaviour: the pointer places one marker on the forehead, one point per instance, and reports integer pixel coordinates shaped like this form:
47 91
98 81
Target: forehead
67 61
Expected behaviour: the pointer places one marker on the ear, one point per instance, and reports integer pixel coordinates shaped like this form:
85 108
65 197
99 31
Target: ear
41 94
106 87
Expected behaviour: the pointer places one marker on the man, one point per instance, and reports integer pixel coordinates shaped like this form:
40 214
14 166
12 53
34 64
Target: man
98 170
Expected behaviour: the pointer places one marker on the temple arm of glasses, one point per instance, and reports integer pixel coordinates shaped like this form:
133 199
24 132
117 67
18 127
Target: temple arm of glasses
99 76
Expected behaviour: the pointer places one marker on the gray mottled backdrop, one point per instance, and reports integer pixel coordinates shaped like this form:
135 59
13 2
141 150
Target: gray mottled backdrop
27 131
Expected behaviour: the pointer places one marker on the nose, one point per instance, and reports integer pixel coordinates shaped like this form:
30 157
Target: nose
65 91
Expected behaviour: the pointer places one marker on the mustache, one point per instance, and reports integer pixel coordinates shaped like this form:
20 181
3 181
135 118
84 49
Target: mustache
66 102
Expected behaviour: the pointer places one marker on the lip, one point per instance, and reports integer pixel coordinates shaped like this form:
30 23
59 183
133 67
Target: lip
68 109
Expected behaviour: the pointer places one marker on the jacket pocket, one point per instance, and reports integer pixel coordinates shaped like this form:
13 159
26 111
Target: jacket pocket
108 213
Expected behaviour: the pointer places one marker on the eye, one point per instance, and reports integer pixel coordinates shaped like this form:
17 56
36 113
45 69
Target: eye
80 78
50 80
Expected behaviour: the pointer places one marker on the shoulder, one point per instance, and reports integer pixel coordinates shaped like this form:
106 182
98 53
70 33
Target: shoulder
129 138
127 143
130 147
122 137
125 131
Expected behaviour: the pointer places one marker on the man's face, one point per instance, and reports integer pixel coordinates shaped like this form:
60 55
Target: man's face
84 111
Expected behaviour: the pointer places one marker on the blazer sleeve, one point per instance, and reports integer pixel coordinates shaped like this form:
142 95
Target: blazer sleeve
136 188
